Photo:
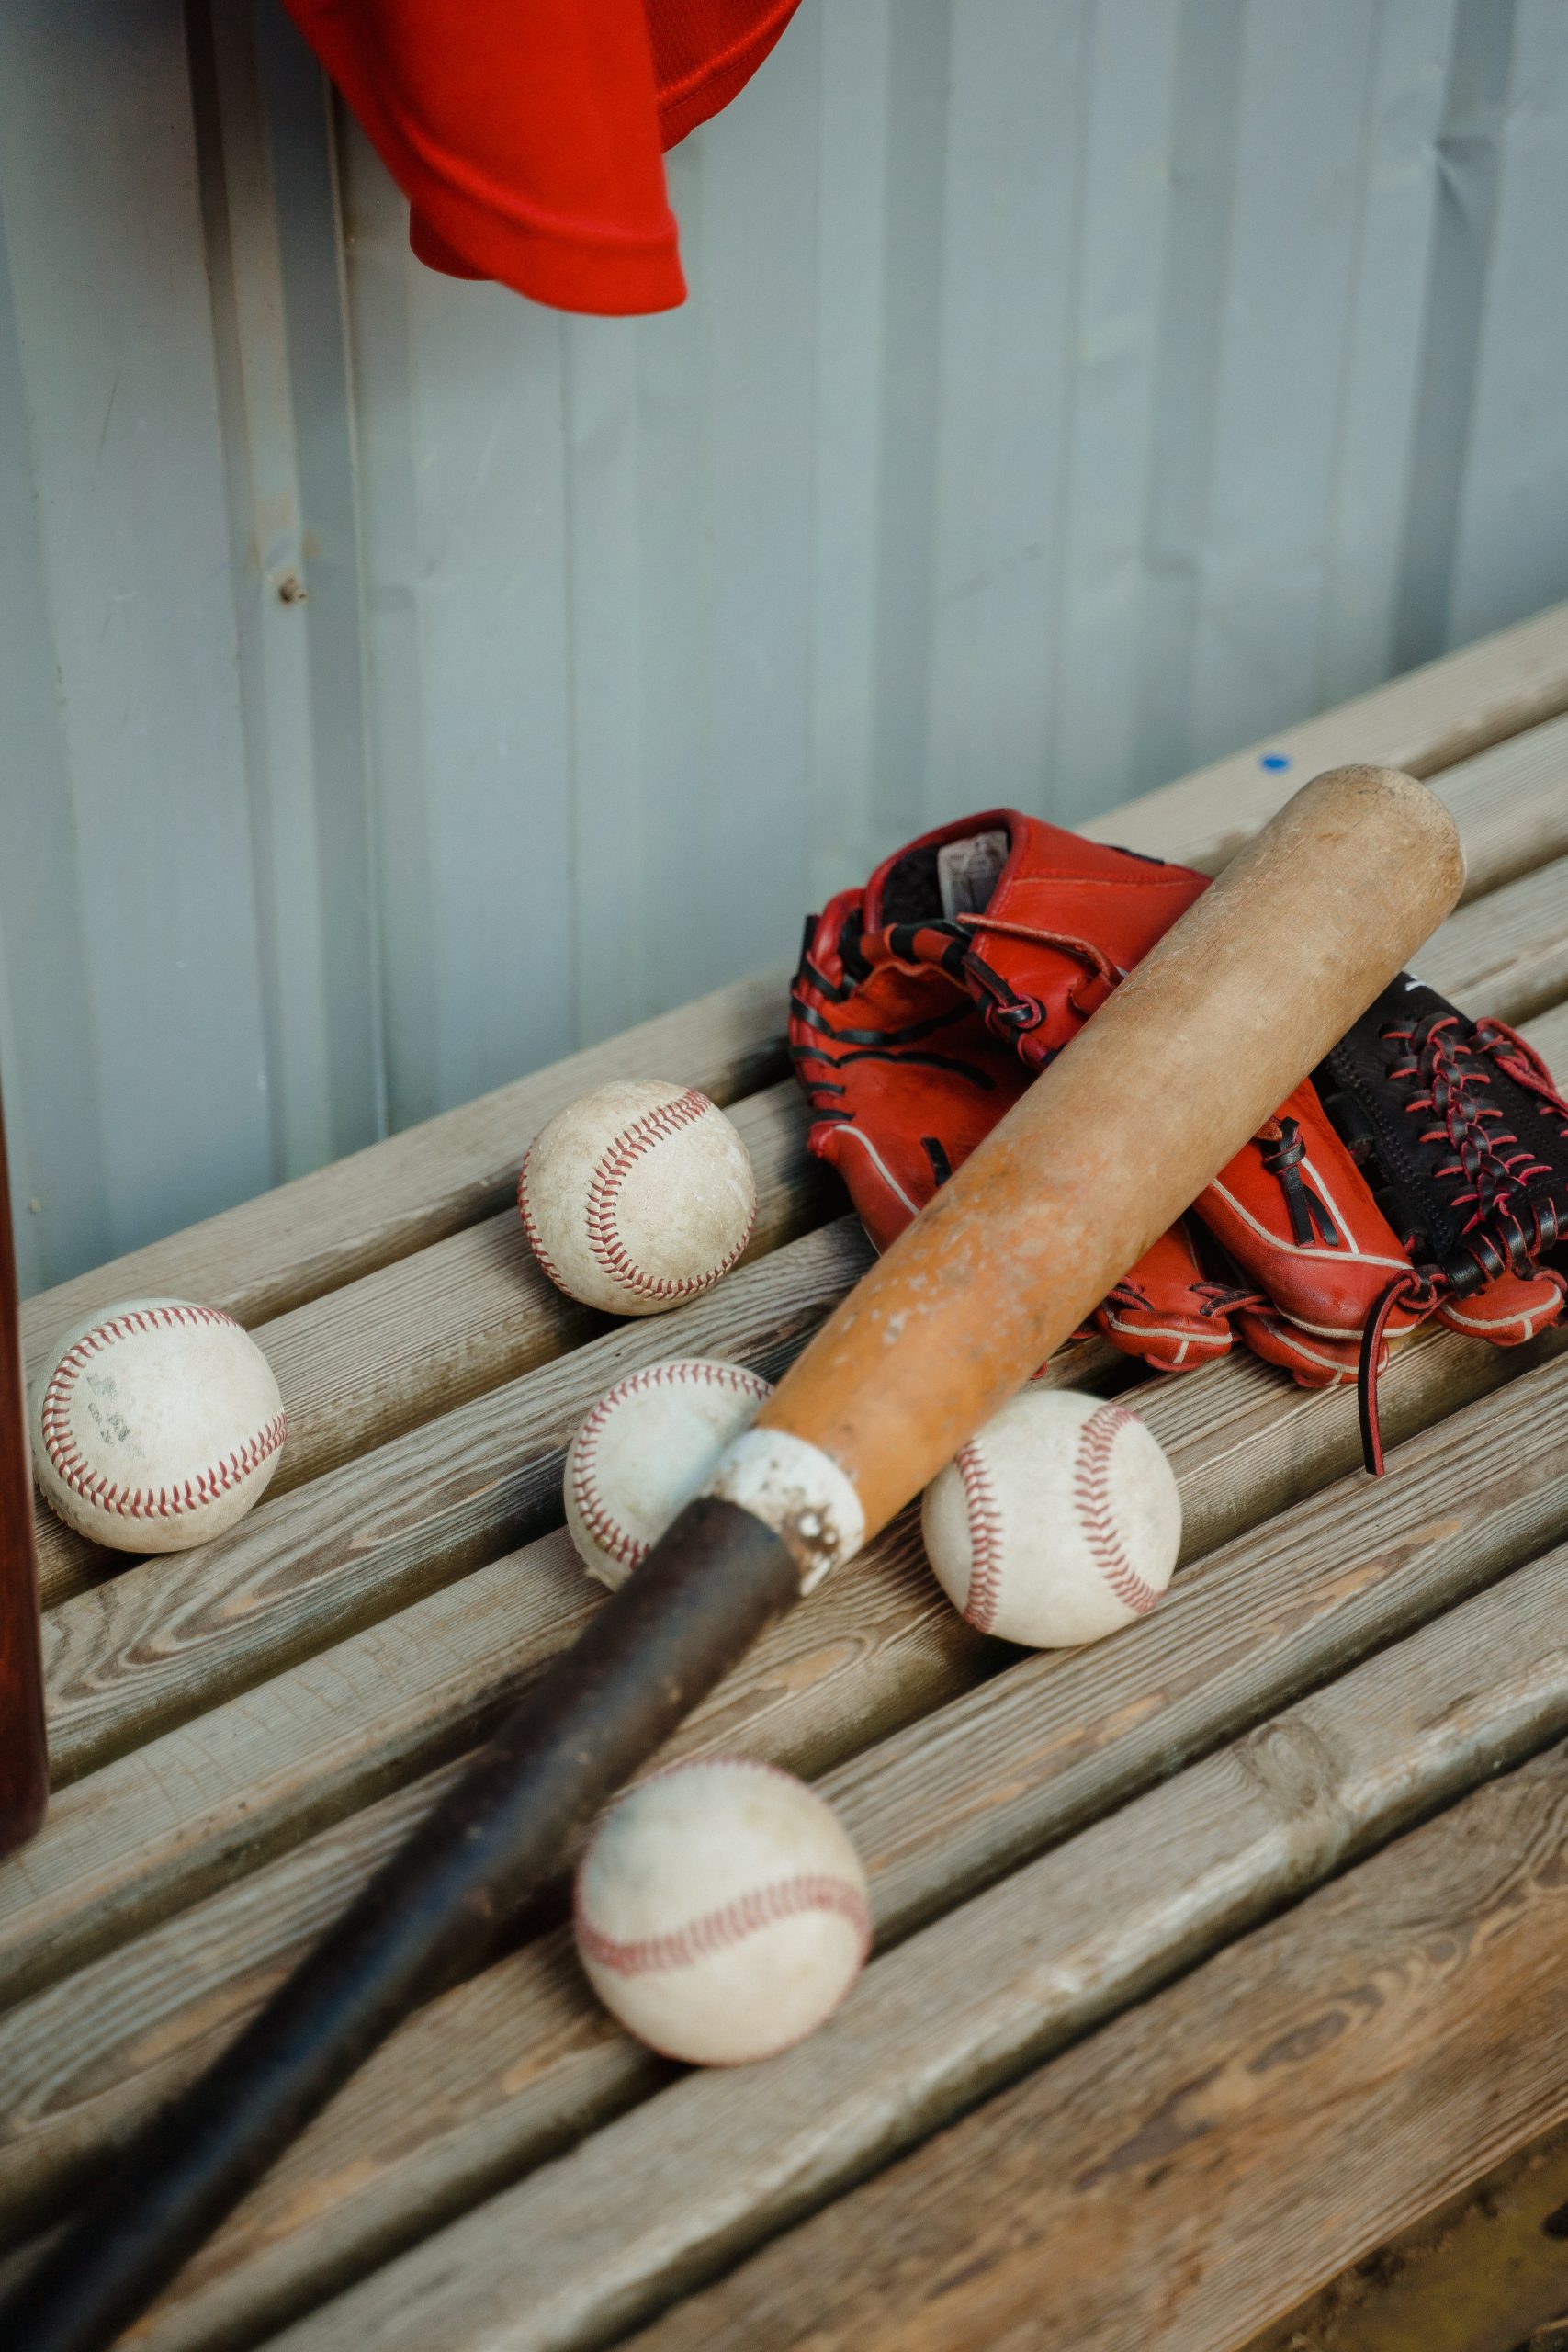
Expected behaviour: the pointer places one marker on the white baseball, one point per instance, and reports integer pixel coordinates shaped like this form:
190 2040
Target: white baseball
1058 1522
645 1450
637 1197
156 1425
721 1911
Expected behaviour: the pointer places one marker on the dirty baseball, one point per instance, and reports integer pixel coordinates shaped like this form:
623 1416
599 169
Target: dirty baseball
721 1911
1059 1521
645 1450
637 1197
155 1426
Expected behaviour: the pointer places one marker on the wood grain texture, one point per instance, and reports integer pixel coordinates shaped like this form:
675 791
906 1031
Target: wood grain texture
1507 954
179 1814
1195 2168
272 1253
1509 805
1428 719
249 1779
163 1825
1548 1032
936 1810
515 2063
378 1356
289 1245
1481 2273
1233 1005
707 2169
169 1638
374 1357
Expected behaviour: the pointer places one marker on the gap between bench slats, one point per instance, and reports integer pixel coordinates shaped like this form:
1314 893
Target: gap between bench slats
705 2169
1429 720
346 1219
1259 1425
1518 948
167 1637
448 1322
1199 2164
487 2080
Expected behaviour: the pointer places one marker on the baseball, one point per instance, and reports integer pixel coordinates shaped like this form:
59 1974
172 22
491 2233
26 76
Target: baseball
645 1450
157 1426
637 1197
721 1911
1058 1522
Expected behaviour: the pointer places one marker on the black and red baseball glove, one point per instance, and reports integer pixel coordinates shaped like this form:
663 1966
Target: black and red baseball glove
1434 1179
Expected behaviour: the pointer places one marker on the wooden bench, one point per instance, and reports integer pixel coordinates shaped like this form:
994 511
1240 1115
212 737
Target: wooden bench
1207 1960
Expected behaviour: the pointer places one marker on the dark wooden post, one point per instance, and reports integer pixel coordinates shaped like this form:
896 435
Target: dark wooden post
24 1764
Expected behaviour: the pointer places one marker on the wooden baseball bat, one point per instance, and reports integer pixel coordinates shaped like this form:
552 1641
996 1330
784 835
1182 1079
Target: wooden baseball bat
24 1763
1185 1062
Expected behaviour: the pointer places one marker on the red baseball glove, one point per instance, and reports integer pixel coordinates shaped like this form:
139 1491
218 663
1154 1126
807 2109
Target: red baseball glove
924 1005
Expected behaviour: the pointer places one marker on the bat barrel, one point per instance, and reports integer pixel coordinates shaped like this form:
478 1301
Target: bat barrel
1198 1045
1175 1071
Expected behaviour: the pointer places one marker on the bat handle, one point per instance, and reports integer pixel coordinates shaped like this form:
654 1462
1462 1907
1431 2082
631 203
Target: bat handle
24 1757
699 1600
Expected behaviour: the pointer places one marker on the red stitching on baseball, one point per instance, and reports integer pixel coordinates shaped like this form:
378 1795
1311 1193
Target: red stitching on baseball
70 1463
984 1596
1092 1489
655 1126
607 1530
535 1239
728 1924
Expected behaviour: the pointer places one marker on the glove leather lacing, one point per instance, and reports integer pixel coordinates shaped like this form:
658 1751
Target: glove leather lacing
1282 1156
1507 1226
1021 1011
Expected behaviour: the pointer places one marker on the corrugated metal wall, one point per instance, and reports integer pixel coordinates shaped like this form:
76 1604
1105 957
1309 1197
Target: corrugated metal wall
1071 389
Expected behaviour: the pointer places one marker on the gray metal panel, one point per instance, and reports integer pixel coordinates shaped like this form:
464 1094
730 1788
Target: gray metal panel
49 1057
112 324
1069 389
1513 496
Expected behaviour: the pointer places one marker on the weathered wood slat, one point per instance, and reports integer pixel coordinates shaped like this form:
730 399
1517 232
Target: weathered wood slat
709 2168
1509 805
1197 2166
179 1814
936 1811
274 1252
1482 2272
173 1636
1548 1032
220 1794
1428 719
444 1324
363 1362
243 1781
164 1638
1507 954
82 2061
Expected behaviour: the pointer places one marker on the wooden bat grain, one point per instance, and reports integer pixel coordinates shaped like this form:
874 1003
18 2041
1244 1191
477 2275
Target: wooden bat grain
1174 1074
1195 1050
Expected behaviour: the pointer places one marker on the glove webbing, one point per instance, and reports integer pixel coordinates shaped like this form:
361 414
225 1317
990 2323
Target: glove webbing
1510 1224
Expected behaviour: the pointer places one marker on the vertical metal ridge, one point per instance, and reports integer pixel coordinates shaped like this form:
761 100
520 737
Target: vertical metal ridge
1468 158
